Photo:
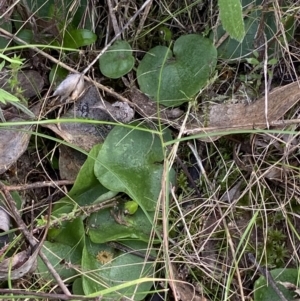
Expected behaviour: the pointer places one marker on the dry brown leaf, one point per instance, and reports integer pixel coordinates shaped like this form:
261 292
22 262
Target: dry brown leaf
18 265
148 108
14 142
4 220
185 291
85 135
71 87
228 117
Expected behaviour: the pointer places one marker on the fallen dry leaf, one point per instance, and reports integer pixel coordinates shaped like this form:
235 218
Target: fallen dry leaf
86 135
148 108
71 87
18 265
14 142
228 117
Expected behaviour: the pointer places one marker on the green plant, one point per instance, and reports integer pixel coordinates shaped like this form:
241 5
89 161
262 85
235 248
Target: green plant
231 16
255 77
231 49
273 252
129 161
174 77
263 291
6 97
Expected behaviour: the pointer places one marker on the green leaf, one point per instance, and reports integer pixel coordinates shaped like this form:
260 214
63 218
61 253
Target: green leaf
2 65
4 42
117 60
174 78
231 16
25 35
165 33
130 161
58 255
77 288
23 108
76 38
273 61
121 268
231 49
16 60
85 191
41 8
264 292
253 61
108 225
72 234
7 97
57 10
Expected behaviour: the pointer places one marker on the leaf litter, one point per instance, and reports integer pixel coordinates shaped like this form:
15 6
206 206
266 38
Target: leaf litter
218 118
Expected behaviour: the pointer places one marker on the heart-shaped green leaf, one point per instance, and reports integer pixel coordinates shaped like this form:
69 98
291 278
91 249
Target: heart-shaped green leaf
130 161
117 60
172 79
106 267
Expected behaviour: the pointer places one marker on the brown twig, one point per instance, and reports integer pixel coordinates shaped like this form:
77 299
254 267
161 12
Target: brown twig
264 271
11 205
83 210
45 295
144 17
186 172
116 36
113 18
38 185
244 127
65 66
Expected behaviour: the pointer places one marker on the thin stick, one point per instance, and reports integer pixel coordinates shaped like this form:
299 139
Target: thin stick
23 228
65 66
186 172
199 162
266 81
35 294
116 37
113 17
268 277
80 211
39 185
143 19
